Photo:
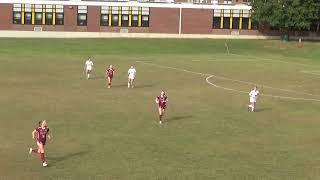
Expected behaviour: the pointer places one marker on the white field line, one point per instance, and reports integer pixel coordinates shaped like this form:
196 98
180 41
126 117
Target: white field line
267 95
316 73
276 60
229 89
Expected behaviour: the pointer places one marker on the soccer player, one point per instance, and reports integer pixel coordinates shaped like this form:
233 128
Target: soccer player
131 75
162 104
253 99
88 65
109 75
41 132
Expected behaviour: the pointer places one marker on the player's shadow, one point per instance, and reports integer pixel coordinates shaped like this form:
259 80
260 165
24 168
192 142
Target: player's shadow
177 118
263 109
56 160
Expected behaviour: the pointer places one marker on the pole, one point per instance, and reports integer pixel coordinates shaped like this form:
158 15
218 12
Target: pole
180 21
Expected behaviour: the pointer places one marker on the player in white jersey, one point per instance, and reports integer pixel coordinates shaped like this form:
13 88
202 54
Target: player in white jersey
253 99
131 75
88 65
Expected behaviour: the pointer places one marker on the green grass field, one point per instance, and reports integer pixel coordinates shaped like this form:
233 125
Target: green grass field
101 133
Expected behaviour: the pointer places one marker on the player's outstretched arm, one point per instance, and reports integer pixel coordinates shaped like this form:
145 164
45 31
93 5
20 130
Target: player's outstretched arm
33 133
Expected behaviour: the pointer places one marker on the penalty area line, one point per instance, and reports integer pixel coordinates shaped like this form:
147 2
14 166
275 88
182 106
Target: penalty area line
266 95
209 76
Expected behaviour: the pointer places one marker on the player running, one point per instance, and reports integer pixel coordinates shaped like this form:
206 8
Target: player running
162 104
109 75
88 65
42 132
253 99
131 75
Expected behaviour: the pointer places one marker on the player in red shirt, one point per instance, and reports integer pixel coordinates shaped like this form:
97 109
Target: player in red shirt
109 75
162 104
41 133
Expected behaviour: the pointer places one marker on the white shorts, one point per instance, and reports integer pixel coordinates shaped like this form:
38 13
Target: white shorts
89 68
253 100
131 77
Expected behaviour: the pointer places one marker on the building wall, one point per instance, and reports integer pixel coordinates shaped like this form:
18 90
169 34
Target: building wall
164 20
5 16
196 21
161 20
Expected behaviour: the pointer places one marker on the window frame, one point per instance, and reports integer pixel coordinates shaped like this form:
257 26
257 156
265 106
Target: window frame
59 21
82 22
145 23
14 19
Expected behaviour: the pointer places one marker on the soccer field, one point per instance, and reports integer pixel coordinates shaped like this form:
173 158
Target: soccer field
114 134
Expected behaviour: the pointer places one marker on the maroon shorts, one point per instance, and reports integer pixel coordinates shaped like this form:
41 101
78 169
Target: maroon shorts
110 77
163 106
43 142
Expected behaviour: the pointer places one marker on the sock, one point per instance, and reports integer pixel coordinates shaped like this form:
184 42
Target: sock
109 84
43 159
35 150
252 108
128 85
88 76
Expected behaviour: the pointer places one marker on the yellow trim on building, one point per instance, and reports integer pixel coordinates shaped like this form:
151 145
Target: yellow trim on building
240 21
221 20
43 14
119 17
110 15
22 13
32 14
130 15
231 19
53 14
250 20
139 17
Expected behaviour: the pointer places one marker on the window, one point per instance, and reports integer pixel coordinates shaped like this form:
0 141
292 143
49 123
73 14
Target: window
227 2
82 15
27 14
125 20
145 17
216 18
236 19
145 21
125 17
59 20
115 16
135 17
38 14
104 17
48 15
245 19
114 20
226 19
17 13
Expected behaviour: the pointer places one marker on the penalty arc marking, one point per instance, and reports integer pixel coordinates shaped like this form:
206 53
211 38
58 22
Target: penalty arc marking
209 76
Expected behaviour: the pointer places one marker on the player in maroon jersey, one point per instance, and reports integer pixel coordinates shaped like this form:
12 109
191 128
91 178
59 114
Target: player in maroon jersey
41 133
162 104
109 75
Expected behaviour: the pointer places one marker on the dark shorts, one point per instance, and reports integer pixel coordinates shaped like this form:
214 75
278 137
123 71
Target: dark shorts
162 106
43 142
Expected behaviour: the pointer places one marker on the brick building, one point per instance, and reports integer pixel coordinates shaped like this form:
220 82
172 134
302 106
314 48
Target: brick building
144 16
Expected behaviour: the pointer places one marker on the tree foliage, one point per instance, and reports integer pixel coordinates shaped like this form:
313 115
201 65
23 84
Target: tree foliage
287 14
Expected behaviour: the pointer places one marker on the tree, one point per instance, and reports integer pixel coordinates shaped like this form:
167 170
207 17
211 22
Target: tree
286 14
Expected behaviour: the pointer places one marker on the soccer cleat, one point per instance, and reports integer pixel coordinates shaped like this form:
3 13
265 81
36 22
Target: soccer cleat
30 150
44 164
160 122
